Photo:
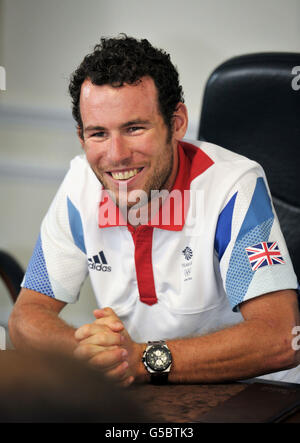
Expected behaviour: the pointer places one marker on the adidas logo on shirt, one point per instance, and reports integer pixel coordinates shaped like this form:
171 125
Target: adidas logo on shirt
99 263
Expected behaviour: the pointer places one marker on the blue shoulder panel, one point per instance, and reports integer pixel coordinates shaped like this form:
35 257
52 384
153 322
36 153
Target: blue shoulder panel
36 277
223 230
260 209
76 226
256 228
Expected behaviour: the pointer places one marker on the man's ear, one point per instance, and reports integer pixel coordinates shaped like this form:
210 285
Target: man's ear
180 121
80 136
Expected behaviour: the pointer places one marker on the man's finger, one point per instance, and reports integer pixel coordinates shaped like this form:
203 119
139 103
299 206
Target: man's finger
107 358
127 382
105 312
88 330
104 338
112 322
118 373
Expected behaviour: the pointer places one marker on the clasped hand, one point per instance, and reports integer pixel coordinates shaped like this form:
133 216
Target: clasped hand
106 344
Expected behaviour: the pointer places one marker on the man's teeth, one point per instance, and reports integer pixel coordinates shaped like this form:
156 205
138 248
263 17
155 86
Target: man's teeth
124 175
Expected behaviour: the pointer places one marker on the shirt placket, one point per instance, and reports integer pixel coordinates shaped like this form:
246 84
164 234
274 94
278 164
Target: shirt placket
142 237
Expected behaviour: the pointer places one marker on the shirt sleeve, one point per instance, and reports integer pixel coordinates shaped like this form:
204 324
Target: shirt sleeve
253 255
58 266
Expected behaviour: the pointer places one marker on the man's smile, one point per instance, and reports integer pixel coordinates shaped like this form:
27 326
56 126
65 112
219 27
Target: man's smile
124 174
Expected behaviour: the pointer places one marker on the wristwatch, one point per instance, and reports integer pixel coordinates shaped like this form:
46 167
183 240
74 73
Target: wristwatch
157 359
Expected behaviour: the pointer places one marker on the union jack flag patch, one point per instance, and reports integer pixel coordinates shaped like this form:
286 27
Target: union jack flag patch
264 254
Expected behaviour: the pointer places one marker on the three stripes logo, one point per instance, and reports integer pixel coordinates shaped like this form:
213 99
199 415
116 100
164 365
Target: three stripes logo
99 263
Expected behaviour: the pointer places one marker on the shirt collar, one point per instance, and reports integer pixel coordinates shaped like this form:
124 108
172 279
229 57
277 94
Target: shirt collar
172 213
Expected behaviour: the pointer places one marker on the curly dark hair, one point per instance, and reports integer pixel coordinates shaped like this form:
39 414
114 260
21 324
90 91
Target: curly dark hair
116 61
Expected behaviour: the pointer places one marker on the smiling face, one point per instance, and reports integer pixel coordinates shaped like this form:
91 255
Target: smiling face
126 140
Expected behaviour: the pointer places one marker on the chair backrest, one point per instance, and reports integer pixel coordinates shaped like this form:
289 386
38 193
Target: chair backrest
11 272
251 105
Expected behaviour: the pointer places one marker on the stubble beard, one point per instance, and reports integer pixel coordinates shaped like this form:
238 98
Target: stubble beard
156 182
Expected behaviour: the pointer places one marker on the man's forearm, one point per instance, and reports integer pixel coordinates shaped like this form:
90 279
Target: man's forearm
259 345
37 328
230 354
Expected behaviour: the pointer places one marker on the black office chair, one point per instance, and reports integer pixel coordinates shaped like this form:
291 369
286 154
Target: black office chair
11 272
251 106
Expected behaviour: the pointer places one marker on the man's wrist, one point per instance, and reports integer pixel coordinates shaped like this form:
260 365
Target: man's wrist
141 375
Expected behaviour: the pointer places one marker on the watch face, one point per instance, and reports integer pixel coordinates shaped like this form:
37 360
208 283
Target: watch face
158 358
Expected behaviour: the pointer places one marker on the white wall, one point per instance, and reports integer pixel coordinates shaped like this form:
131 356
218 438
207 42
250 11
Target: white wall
42 42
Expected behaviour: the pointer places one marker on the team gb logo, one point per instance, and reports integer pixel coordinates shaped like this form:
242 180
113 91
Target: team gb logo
188 253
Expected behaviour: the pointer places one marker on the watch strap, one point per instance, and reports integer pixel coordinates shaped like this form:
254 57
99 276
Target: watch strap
159 378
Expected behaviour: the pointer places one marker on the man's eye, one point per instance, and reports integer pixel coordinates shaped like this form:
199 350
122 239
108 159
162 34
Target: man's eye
99 134
135 128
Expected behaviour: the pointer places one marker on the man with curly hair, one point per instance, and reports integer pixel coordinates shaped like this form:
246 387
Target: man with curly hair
190 299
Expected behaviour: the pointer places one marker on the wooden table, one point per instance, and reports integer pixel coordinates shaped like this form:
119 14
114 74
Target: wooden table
189 403
182 403
171 403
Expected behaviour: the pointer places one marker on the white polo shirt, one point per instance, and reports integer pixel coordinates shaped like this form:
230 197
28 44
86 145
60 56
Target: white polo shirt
184 273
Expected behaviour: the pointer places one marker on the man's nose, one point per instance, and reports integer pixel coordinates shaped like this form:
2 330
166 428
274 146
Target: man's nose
119 151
